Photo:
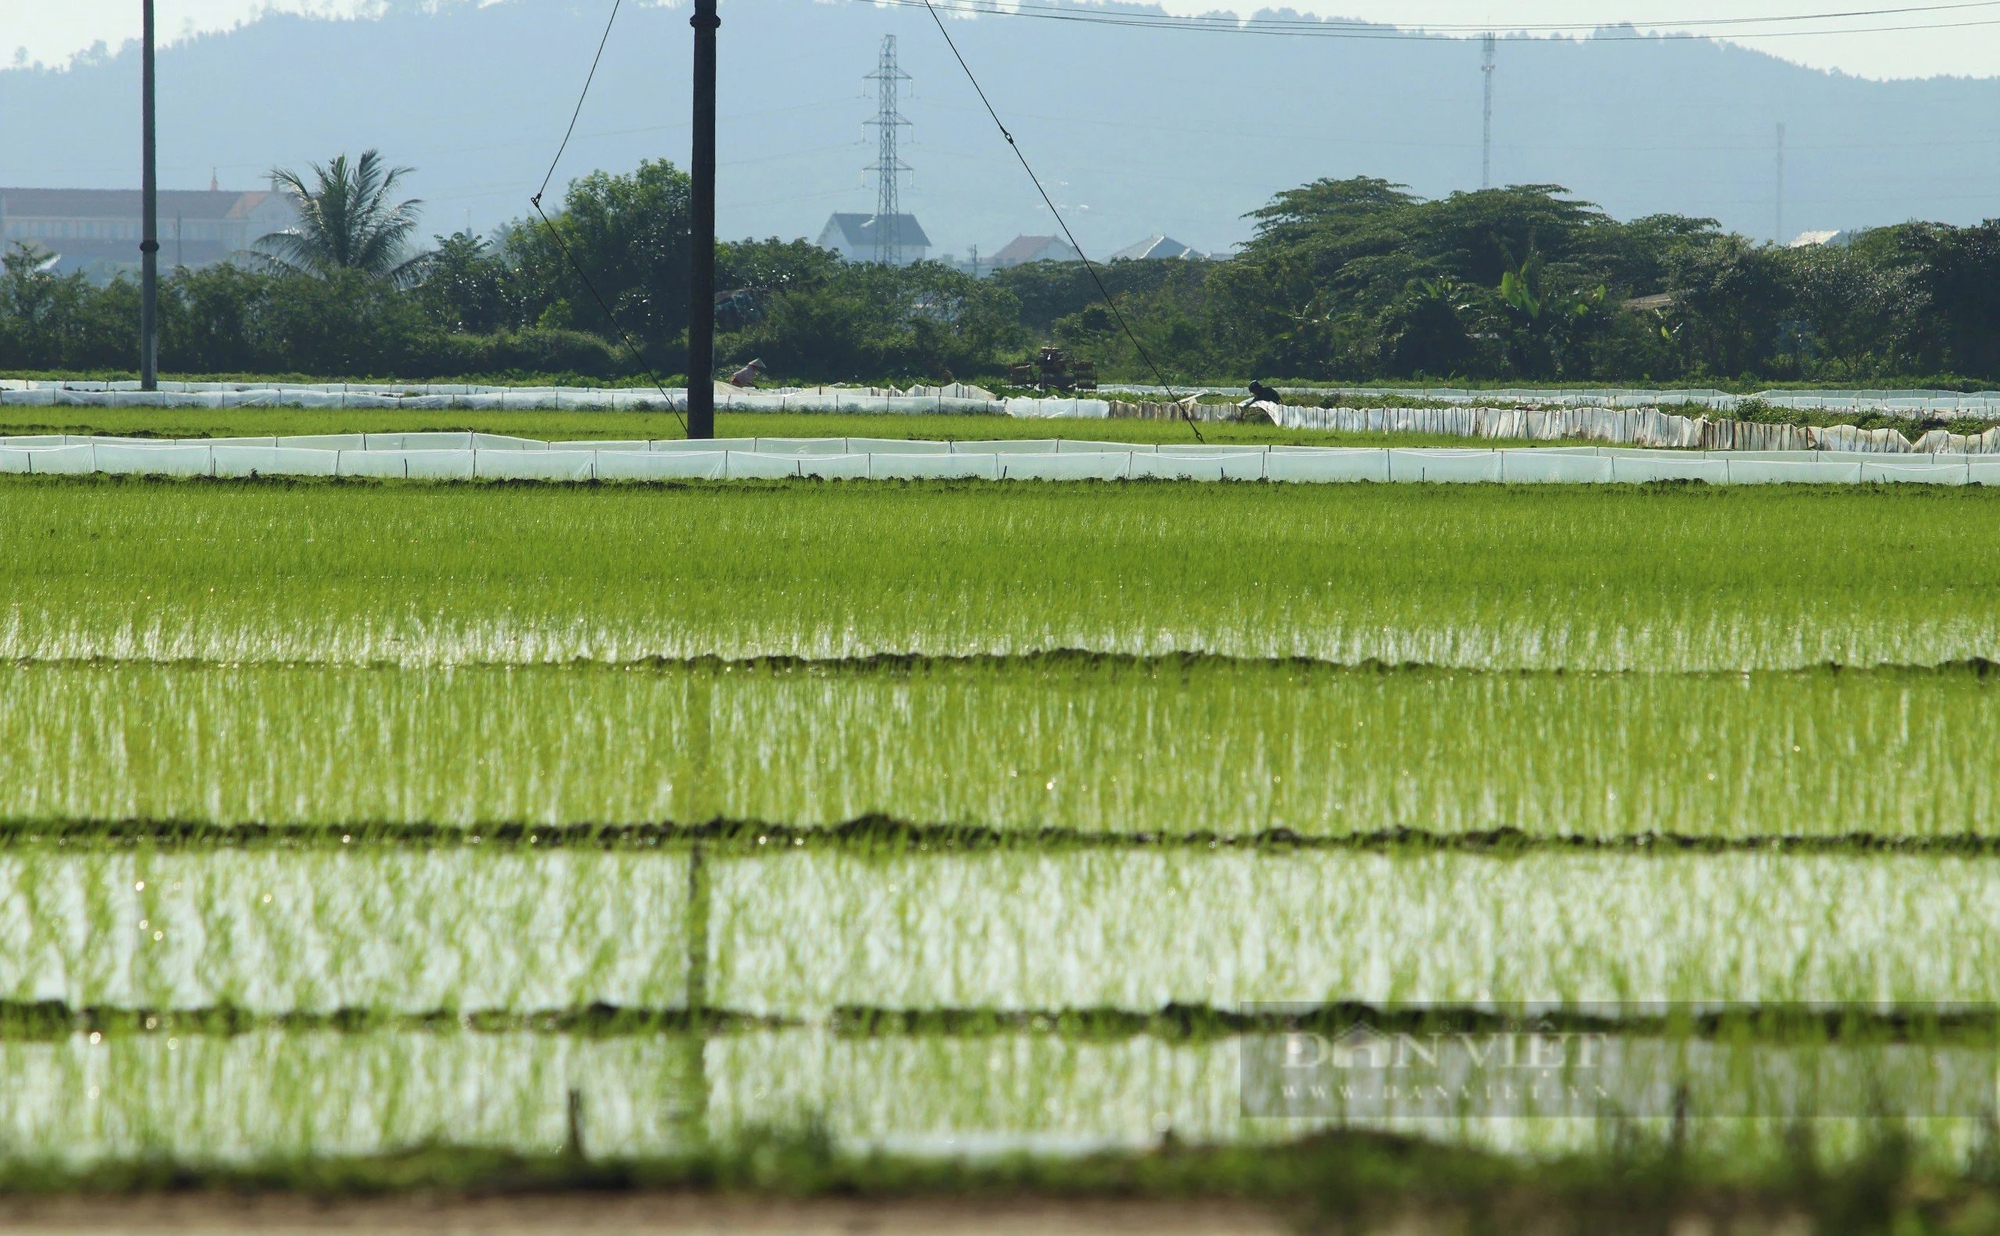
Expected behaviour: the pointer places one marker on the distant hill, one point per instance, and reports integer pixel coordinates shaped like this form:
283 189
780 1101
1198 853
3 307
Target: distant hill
1138 132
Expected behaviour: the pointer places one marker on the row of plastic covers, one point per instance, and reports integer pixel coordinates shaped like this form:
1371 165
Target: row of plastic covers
1916 404
1049 459
954 390
1648 427
954 397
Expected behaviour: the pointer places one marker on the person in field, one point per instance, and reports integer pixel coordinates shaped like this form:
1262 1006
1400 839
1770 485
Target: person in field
747 376
1262 405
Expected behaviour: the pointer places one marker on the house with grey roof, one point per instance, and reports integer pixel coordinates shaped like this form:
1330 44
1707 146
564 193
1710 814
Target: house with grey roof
855 237
1024 249
1156 248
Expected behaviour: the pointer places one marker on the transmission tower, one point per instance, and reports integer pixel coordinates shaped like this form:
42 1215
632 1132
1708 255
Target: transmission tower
888 209
1486 124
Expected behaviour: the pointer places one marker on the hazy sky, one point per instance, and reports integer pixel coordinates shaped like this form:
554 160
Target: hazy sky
1955 37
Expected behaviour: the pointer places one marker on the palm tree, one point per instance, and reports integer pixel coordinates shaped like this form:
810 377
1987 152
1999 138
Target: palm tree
346 221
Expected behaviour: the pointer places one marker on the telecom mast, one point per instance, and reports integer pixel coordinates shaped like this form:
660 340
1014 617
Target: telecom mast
1486 130
888 209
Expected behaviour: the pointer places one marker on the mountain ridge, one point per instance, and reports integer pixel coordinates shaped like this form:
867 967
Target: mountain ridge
1136 131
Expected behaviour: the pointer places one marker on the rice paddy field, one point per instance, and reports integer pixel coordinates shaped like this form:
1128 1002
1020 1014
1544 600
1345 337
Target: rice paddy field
1003 833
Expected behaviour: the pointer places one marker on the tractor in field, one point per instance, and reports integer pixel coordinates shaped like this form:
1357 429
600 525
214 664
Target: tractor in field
1054 370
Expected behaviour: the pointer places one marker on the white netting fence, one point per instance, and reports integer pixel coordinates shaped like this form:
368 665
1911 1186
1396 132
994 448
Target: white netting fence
1633 418
956 399
1909 404
465 457
1651 427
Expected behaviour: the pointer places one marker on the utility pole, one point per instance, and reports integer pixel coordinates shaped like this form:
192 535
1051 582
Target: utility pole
1486 124
701 267
149 208
888 205
1778 226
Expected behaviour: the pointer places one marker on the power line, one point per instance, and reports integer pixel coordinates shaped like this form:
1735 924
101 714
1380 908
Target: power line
1088 265
556 232
1838 15
1341 28
1444 29
581 96
1286 134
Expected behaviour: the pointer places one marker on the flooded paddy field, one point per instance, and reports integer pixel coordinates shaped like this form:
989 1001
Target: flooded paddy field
592 825
792 931
191 1096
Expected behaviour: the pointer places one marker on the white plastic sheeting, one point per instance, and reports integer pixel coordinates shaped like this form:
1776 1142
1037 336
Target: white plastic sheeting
1641 468
154 460
955 399
1326 464
1685 419
660 466
1793 471
1638 427
1549 467
1926 472
1060 409
940 467
264 460
534 465
1912 404
1444 465
1098 466
464 457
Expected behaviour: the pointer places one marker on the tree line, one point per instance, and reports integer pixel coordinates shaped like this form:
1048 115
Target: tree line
1349 280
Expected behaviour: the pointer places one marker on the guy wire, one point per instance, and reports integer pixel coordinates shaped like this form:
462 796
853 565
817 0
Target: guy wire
1187 414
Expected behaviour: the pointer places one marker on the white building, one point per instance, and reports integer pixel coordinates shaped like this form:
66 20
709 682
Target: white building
853 237
1816 240
98 229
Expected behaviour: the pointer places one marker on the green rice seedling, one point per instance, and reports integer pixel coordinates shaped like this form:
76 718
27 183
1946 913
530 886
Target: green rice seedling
341 928
809 930
1474 577
1167 747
